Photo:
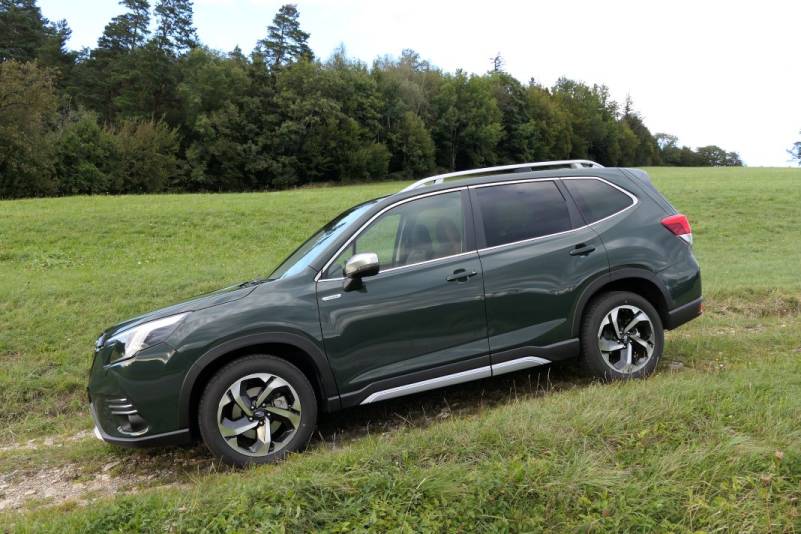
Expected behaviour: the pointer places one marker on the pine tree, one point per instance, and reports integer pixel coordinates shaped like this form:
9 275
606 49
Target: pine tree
497 63
129 30
175 32
21 29
26 35
285 42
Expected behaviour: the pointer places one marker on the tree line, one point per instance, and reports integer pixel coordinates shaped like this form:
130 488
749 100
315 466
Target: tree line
151 109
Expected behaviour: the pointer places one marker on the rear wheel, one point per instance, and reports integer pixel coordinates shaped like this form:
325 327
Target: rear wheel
621 336
256 410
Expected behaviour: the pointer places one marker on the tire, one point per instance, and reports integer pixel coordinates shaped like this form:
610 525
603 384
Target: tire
281 424
645 336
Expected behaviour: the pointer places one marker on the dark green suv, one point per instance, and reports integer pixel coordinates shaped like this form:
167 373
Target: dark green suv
456 278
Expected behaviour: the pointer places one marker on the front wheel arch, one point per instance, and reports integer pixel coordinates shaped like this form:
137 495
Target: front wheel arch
292 412
292 348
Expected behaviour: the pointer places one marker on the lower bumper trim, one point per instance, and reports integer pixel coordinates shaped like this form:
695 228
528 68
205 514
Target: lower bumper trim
176 437
685 313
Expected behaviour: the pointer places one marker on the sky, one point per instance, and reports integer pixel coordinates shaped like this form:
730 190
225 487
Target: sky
707 71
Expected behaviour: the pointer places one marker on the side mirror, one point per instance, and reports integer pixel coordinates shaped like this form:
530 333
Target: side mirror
359 266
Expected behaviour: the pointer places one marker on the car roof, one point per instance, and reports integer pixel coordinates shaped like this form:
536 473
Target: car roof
599 172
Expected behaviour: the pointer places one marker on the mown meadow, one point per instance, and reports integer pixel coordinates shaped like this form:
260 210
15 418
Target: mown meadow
711 442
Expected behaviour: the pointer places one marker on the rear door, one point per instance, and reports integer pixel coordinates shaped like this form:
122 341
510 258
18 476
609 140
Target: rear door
422 316
536 254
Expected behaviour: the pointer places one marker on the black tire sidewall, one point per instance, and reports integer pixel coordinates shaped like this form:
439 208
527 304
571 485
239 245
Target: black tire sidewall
591 358
222 380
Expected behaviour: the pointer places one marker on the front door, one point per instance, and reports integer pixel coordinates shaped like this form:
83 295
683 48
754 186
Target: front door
421 318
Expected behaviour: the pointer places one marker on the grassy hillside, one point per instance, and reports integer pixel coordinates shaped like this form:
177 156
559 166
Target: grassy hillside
711 441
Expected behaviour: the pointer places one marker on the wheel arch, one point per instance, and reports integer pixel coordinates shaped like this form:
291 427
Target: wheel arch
640 281
293 348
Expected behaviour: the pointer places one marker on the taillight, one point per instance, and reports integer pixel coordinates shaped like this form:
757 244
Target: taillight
680 226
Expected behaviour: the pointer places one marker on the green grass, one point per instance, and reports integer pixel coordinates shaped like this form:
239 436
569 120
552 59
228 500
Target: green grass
712 446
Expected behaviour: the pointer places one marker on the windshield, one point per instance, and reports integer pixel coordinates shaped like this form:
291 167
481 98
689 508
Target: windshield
308 251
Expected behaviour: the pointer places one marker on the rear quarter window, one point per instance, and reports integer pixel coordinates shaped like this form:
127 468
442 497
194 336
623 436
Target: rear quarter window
596 199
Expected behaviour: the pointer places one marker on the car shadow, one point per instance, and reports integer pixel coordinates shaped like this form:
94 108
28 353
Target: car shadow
423 409
338 429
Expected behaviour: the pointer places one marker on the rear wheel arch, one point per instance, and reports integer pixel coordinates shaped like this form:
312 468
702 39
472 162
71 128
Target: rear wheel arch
294 349
639 281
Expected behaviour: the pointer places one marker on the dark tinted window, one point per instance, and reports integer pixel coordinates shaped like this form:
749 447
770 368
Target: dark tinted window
515 212
597 199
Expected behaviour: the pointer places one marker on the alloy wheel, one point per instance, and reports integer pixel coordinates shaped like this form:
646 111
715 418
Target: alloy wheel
626 339
258 414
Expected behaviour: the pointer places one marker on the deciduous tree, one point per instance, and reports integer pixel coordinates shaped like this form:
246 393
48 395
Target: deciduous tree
27 118
795 152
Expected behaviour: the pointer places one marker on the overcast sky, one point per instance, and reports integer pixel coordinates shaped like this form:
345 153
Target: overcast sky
710 72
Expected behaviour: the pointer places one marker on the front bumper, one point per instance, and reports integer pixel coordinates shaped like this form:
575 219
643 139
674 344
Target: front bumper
135 402
177 437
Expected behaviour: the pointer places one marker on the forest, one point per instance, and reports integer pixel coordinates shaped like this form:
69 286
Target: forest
151 109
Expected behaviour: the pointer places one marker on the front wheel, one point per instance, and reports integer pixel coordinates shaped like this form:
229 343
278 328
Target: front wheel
621 336
256 410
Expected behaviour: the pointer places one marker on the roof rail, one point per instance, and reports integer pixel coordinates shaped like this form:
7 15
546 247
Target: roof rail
438 179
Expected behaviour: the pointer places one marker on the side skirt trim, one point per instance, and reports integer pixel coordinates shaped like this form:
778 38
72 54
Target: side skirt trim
517 364
457 378
432 383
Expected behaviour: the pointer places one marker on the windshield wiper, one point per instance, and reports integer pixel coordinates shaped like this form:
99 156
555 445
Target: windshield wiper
255 282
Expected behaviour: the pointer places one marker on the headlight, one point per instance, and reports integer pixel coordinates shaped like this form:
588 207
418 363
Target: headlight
143 336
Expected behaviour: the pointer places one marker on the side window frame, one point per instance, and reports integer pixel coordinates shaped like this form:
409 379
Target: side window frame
468 229
478 222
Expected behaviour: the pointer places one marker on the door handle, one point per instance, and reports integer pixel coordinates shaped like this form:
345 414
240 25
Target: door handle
460 275
581 250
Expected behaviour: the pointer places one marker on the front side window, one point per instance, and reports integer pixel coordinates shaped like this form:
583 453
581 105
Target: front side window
596 199
516 212
416 231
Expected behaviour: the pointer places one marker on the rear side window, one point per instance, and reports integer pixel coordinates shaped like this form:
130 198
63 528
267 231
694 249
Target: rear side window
596 199
516 212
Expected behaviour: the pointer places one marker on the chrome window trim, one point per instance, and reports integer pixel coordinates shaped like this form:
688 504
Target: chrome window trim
633 198
399 267
317 277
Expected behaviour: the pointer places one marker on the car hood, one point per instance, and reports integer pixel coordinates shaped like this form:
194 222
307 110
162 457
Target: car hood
215 298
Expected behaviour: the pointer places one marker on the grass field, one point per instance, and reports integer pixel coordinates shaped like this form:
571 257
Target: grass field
711 442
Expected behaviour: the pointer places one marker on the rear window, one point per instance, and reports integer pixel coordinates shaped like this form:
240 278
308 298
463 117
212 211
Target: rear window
516 212
596 199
